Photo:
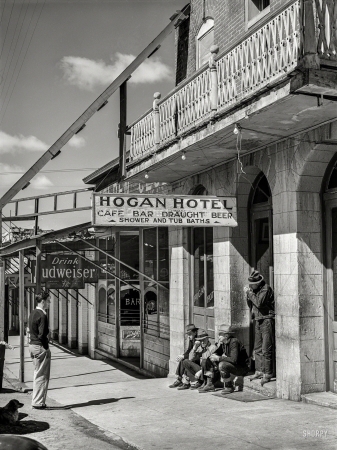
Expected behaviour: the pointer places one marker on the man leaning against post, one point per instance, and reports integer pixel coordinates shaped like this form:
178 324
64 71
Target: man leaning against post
260 299
39 350
191 332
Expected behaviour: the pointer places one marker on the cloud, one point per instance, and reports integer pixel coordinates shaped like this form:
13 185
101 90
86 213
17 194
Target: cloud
10 174
41 182
77 142
15 144
88 74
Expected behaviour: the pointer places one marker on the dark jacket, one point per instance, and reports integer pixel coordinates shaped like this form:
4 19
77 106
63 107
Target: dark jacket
261 302
190 346
234 351
38 328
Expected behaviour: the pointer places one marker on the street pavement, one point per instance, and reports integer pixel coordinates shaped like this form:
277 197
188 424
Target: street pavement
126 408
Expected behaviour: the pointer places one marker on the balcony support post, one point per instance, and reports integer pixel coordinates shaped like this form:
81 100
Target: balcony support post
214 78
156 117
310 57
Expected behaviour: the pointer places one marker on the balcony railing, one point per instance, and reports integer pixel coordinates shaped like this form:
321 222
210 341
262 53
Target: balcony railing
263 58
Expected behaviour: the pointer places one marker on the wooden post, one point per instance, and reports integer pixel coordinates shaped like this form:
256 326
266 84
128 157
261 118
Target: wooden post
122 128
156 117
214 78
3 332
38 268
22 316
310 58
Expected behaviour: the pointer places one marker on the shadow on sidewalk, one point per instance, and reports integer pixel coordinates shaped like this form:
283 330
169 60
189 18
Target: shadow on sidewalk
103 401
24 427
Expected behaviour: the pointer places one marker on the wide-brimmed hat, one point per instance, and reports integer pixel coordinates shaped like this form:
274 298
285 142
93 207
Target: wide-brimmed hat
255 277
202 334
225 329
190 327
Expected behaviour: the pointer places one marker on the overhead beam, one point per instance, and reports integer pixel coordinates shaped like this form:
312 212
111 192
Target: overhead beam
89 112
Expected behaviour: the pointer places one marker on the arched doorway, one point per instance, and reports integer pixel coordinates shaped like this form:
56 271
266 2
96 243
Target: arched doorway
202 279
330 206
261 228
260 215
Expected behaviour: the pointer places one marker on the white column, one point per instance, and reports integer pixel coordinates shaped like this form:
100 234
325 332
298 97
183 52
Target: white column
63 299
72 318
83 320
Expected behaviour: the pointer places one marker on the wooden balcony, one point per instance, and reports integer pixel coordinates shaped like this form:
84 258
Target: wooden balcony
280 80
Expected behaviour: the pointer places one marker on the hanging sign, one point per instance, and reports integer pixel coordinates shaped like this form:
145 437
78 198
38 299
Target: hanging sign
67 272
163 210
13 280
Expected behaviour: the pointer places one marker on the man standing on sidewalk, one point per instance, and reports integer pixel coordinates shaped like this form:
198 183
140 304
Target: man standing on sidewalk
260 299
39 350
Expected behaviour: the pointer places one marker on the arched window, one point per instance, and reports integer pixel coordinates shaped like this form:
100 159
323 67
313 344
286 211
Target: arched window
205 39
332 183
262 191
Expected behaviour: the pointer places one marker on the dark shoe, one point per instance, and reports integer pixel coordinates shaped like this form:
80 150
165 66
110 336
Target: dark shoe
197 385
227 391
183 387
257 375
229 388
44 406
208 388
177 383
265 379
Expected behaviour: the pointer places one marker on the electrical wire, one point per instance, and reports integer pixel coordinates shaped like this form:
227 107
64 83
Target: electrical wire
9 20
16 43
44 2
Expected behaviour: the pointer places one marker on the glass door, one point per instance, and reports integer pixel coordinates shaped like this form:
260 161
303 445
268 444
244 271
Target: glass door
203 279
331 253
129 297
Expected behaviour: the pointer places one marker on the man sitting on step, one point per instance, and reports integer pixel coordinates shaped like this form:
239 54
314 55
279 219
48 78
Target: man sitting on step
230 359
202 349
191 332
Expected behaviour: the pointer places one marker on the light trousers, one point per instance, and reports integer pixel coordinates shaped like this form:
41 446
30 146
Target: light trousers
41 359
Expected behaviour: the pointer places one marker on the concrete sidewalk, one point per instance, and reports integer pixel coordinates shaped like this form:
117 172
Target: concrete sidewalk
148 415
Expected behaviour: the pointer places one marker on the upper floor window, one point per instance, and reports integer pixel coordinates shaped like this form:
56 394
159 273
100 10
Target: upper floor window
205 39
256 9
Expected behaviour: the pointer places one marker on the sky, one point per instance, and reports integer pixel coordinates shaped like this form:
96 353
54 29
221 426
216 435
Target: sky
56 58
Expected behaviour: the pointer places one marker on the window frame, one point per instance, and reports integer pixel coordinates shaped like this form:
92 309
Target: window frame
258 17
203 31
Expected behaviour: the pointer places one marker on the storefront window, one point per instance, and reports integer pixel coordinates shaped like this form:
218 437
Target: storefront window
129 297
156 266
203 279
106 295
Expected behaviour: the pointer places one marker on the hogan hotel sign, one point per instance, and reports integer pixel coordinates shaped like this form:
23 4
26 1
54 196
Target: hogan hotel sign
163 210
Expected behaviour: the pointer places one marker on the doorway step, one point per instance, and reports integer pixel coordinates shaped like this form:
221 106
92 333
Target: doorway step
269 389
327 399
101 354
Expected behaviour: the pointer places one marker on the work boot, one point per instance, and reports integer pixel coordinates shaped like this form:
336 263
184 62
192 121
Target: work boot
197 384
265 379
184 386
257 375
177 383
208 388
203 385
229 388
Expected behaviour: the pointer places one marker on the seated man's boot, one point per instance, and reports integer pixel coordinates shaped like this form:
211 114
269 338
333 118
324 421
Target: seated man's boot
229 388
177 383
197 384
203 384
265 379
209 386
257 375
184 386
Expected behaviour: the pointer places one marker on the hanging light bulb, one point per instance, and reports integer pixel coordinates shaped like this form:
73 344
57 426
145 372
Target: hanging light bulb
237 128
146 174
183 156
